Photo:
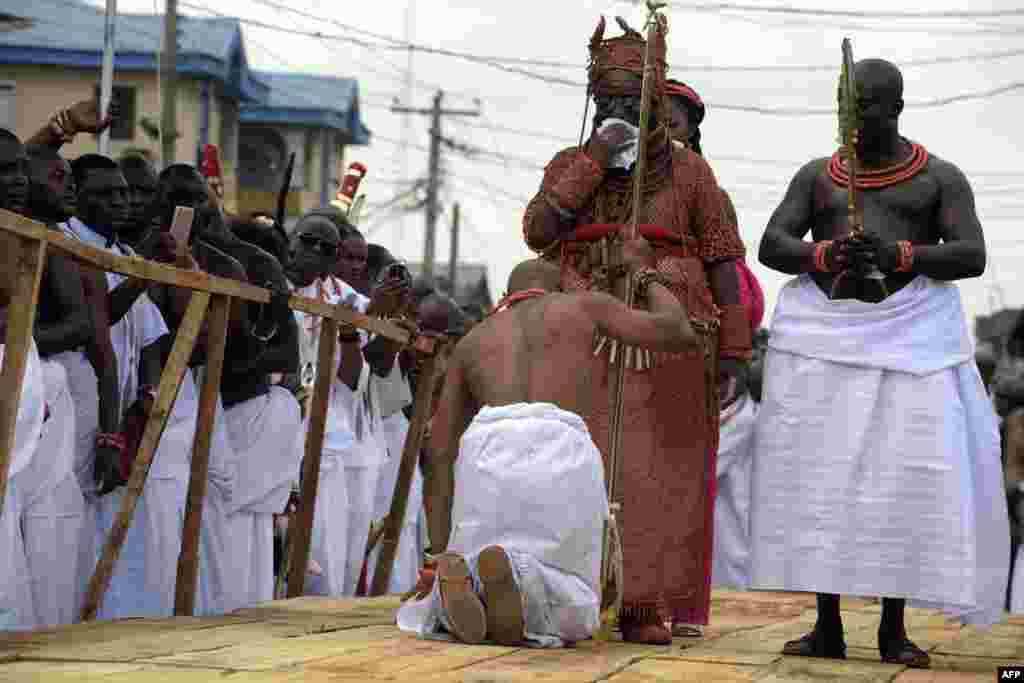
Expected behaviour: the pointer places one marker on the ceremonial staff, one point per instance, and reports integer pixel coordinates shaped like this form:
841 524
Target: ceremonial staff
849 126
655 22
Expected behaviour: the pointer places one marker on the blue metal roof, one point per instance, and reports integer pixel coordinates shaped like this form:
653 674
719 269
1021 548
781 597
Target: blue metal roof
310 100
70 33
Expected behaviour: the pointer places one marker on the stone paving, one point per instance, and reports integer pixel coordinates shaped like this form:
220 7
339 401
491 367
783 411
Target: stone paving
320 641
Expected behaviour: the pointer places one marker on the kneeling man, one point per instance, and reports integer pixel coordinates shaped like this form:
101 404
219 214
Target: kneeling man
513 483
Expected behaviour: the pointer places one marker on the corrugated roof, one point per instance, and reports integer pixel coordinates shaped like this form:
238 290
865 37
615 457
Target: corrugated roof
310 100
70 33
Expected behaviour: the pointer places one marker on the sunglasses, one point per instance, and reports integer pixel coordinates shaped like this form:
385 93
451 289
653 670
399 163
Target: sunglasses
323 246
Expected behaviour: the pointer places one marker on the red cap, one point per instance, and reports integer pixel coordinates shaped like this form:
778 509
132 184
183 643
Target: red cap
211 162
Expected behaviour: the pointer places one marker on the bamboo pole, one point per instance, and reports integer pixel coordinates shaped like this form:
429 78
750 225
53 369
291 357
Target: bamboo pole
21 315
170 383
395 519
302 534
188 559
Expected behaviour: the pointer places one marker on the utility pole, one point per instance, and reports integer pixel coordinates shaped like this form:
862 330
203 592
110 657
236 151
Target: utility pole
454 255
434 179
169 67
107 74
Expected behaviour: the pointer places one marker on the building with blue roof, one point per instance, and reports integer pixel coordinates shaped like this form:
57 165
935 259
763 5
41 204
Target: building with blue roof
50 57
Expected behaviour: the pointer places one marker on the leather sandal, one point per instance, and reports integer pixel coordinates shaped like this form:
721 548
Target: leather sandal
814 644
458 599
902 651
687 631
503 602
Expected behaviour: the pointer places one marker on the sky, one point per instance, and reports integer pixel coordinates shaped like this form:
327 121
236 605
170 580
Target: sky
946 49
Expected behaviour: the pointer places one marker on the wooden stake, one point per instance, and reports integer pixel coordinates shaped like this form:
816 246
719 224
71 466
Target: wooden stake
407 468
21 314
188 559
303 520
170 383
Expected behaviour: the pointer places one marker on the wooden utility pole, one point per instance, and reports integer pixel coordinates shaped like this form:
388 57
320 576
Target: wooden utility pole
107 74
169 77
434 178
453 258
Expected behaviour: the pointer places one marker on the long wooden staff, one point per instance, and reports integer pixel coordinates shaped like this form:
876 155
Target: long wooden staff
615 424
395 520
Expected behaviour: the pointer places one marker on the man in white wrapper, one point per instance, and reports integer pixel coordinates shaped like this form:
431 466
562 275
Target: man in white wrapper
144 576
520 560
314 251
17 606
876 458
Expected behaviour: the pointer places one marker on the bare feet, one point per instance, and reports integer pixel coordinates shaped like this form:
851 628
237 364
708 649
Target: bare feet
459 600
647 634
502 599
817 644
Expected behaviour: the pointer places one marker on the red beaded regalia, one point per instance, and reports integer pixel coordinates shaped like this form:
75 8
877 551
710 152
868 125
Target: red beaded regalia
670 416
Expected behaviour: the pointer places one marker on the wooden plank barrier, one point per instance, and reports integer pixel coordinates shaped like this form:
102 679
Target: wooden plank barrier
395 519
188 559
213 294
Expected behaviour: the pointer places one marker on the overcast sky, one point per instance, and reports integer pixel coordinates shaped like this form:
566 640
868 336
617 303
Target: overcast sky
754 154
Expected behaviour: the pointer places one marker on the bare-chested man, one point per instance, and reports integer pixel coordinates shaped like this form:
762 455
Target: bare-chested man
508 443
876 462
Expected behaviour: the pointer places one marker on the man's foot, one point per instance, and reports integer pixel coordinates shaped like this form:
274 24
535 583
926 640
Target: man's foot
458 599
646 634
902 651
503 602
816 644
687 631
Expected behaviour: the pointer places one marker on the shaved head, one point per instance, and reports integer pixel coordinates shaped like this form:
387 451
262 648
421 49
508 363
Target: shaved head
536 273
879 77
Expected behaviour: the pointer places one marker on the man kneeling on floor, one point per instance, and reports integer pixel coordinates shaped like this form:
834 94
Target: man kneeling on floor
513 483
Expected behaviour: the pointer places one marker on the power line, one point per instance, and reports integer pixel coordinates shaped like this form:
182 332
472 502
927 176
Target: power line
864 14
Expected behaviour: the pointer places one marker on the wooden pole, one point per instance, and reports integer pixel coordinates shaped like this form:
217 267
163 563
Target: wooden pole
188 559
407 468
302 534
170 383
21 314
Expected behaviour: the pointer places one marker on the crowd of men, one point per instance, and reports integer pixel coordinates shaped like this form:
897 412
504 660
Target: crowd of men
853 451
101 341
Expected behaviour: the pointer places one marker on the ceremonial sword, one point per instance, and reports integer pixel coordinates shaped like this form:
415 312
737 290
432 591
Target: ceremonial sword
849 129
655 21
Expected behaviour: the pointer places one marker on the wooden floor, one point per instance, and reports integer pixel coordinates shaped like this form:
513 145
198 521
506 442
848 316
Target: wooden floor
321 640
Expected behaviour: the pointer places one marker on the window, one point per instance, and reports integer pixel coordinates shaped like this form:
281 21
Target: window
7 106
123 127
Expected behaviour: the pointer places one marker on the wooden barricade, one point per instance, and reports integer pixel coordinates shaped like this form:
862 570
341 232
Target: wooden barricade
211 297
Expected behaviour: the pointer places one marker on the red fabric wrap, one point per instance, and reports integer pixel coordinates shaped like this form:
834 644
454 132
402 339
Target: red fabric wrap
751 293
734 334
680 89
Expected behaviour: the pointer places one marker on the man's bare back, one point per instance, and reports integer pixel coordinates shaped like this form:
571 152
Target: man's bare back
538 350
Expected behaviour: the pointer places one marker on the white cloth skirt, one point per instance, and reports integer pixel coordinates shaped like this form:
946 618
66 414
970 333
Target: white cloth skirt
731 559
515 465
874 482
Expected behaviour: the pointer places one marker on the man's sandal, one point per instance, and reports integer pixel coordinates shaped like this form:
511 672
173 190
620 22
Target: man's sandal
814 645
687 631
458 599
502 598
905 653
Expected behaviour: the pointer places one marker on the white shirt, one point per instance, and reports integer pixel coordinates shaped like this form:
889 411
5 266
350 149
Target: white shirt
140 327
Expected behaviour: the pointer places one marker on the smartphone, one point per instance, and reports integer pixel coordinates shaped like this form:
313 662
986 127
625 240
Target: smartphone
181 226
